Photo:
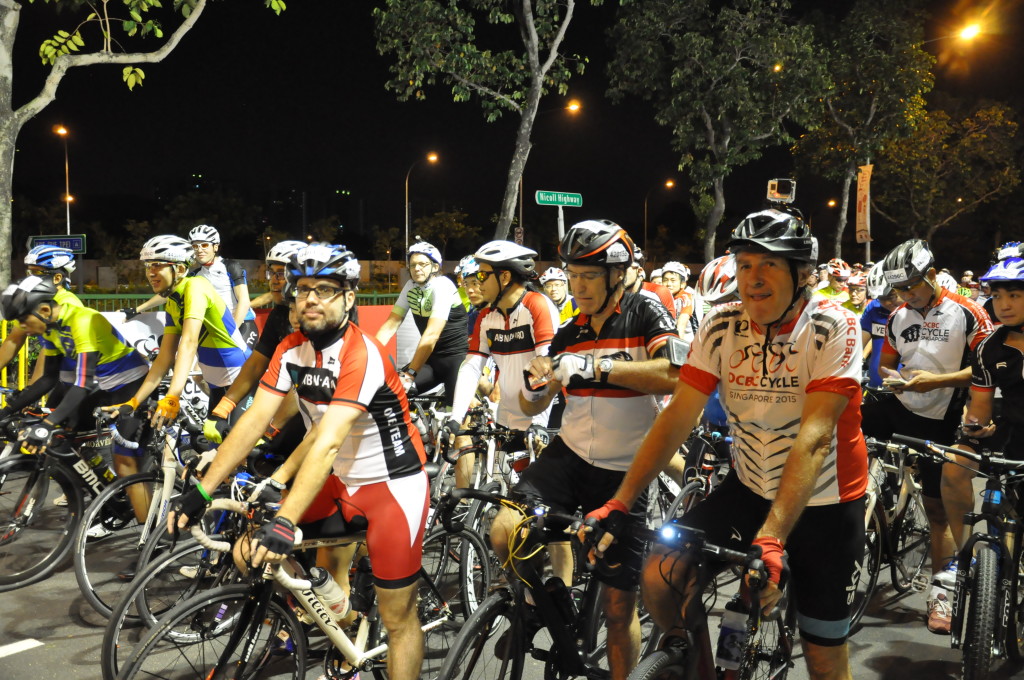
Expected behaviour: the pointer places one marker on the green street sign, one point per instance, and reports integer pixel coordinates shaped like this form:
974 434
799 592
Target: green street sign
559 198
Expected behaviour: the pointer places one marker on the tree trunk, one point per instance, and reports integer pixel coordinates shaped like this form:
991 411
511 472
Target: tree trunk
844 206
714 218
9 128
519 156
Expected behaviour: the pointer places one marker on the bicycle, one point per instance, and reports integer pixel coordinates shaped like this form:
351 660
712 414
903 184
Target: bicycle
989 591
249 628
494 643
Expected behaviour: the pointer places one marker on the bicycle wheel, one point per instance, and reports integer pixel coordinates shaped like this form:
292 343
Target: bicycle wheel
494 630
110 538
35 533
768 653
979 639
1015 626
661 665
870 565
196 637
911 542
596 635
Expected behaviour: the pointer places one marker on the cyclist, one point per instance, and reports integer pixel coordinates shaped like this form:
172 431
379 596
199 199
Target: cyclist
931 335
275 329
856 289
556 287
635 283
790 382
440 317
838 275
198 326
107 370
516 326
228 277
352 398
873 321
1009 249
656 277
463 272
612 359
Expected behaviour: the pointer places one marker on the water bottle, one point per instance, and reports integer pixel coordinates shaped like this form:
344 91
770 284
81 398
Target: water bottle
330 593
100 467
362 586
733 638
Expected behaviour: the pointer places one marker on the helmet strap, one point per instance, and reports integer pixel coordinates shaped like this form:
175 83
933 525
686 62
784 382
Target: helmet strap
609 289
797 291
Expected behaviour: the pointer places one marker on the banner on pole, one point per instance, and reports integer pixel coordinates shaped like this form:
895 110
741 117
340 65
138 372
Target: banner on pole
864 204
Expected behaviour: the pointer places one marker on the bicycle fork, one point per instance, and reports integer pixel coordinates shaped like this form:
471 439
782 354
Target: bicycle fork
998 527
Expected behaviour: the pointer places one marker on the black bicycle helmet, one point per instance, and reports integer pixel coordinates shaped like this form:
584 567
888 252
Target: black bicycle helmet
908 261
510 256
600 243
776 232
325 261
22 297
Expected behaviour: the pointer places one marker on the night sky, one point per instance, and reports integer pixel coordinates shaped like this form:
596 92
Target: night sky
272 106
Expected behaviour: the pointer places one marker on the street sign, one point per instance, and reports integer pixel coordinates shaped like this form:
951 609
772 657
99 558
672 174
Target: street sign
559 198
73 242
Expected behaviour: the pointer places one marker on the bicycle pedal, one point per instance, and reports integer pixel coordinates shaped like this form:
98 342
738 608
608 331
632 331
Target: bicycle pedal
540 654
919 583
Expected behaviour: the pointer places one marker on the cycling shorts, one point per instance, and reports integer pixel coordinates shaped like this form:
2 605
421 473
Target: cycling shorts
825 549
888 416
566 483
395 512
437 371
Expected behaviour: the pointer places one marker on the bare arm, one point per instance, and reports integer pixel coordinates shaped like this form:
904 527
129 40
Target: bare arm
388 328
158 369
242 305
426 344
14 342
151 303
865 339
653 376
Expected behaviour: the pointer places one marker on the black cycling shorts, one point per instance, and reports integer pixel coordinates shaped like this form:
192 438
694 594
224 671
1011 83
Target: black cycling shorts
440 370
824 549
566 483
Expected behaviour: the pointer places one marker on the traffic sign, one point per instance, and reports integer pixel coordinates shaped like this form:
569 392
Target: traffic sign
73 242
559 198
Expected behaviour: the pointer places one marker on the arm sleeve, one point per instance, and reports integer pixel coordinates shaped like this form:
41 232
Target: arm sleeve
35 391
465 387
236 273
69 405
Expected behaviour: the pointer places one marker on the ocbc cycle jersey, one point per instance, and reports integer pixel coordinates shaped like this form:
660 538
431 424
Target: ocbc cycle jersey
224 275
940 341
350 367
764 396
438 298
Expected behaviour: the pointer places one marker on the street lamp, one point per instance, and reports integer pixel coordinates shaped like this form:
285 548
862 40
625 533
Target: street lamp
431 158
63 132
573 107
668 184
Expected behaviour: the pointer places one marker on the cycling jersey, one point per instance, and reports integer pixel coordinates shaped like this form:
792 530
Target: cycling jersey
817 351
225 274
939 341
858 311
567 310
350 367
996 364
221 350
659 293
604 423
438 298
276 328
96 349
512 341
838 295
873 321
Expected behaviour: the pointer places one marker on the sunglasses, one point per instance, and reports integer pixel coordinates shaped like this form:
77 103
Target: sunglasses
481 275
908 287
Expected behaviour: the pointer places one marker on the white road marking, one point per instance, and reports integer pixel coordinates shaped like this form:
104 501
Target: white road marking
23 646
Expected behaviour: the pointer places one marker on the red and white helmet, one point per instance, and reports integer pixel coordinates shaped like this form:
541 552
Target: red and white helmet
857 279
717 279
838 267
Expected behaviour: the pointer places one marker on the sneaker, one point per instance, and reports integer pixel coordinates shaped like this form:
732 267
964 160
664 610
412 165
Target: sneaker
96 531
940 614
61 500
189 571
128 573
947 577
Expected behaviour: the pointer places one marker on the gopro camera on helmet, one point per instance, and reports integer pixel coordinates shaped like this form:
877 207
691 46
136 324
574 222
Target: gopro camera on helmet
781 190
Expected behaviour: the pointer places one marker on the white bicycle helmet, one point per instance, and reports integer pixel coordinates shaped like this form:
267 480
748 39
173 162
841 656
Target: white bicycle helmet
947 281
877 285
838 267
204 233
656 273
282 251
717 279
553 274
467 266
166 248
424 248
509 256
677 268
52 258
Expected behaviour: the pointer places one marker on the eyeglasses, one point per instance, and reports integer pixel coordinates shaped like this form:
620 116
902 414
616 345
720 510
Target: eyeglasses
36 271
276 273
586 276
201 245
323 292
420 265
481 275
157 266
908 287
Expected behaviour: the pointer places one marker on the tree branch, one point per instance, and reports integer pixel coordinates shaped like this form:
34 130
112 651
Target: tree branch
570 6
493 94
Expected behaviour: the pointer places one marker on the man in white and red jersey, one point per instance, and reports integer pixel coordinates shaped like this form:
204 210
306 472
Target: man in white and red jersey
612 359
635 283
929 338
363 457
788 365
516 326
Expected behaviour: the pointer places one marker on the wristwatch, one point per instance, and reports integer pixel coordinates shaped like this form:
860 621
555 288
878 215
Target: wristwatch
605 365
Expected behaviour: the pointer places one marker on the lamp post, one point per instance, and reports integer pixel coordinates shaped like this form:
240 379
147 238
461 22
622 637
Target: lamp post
430 158
668 184
573 107
63 133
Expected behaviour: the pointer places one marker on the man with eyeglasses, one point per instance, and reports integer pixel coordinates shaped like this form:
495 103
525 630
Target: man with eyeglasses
929 339
440 318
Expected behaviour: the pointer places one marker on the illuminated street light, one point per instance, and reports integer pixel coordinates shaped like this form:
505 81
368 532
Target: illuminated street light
431 158
970 32
62 132
668 184
831 203
574 106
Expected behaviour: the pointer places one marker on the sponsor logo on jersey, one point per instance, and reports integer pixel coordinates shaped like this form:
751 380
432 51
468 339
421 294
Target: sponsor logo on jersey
911 333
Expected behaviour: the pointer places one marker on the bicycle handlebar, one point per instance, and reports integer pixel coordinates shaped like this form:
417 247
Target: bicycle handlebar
941 452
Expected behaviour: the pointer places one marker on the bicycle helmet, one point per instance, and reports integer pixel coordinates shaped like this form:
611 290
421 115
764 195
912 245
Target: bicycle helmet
877 285
52 258
467 266
325 261
204 233
166 248
717 279
506 255
776 232
676 268
1007 270
424 248
947 281
553 274
837 267
908 261
857 279
598 243
656 273
1010 249
282 252
22 297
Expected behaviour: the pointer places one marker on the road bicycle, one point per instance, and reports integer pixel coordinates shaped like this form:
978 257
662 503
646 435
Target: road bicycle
988 598
251 629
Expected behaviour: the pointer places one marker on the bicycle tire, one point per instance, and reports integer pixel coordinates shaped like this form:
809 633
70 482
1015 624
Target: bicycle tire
691 494
98 562
473 656
31 549
871 565
911 541
979 641
207 618
660 665
1015 627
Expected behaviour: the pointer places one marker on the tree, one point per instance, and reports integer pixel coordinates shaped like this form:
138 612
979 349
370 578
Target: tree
724 79
387 243
438 42
442 227
238 223
880 75
102 21
946 169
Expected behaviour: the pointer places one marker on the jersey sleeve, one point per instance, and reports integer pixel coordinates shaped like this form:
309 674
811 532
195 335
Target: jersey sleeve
979 324
198 301
171 312
477 341
402 303
982 377
545 320
703 367
277 380
236 273
836 363
659 325
446 296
